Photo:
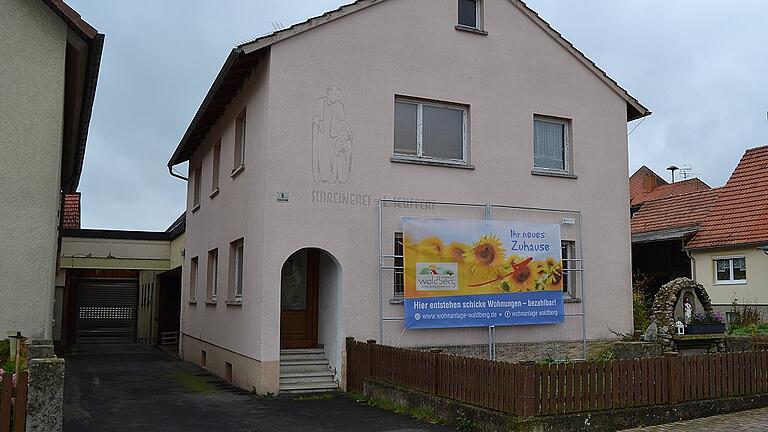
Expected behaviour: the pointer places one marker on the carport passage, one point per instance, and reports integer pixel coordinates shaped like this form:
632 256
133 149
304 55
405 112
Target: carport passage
137 388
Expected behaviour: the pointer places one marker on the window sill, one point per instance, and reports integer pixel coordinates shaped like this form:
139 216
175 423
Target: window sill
235 303
430 162
737 282
192 302
469 29
546 173
236 172
195 208
397 300
214 193
211 303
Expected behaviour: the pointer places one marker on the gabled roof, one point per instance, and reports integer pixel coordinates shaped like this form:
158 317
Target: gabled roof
644 179
668 190
73 153
244 57
740 215
680 213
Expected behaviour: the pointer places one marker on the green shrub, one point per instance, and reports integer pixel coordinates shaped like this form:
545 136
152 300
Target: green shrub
641 303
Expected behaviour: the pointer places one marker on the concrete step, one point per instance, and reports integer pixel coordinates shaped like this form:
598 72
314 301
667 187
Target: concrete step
304 368
303 379
302 356
308 387
302 351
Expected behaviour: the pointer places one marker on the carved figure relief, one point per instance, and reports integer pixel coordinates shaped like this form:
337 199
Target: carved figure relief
331 139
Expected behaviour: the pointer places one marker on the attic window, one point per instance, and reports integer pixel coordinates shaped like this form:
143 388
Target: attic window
470 14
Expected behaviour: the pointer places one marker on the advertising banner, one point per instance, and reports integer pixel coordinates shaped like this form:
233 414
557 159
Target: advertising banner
473 273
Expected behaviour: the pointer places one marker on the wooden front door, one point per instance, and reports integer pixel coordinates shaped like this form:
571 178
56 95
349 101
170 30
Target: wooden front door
298 300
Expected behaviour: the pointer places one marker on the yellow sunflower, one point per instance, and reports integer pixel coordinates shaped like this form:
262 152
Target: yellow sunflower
431 249
549 274
523 273
456 252
485 258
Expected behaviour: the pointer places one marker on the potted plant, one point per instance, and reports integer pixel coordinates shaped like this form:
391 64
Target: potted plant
706 323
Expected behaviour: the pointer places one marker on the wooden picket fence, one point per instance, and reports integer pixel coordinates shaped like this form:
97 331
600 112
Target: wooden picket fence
13 414
528 389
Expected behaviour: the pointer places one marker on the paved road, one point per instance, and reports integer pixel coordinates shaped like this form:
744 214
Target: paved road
755 420
137 388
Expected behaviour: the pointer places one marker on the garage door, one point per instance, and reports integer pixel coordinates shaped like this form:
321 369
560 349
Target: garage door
106 311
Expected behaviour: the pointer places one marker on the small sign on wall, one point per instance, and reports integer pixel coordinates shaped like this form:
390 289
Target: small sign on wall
282 197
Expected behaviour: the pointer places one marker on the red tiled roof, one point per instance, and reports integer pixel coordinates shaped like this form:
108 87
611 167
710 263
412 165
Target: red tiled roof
71 216
642 180
740 215
668 190
688 210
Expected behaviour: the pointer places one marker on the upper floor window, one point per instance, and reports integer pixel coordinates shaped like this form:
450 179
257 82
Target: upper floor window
730 270
240 143
470 13
193 279
551 144
212 286
430 131
215 168
196 179
236 263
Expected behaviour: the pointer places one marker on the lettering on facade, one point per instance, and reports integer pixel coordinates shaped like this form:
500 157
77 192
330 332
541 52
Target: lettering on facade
355 199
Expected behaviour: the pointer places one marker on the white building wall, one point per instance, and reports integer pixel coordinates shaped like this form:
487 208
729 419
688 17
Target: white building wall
32 49
407 48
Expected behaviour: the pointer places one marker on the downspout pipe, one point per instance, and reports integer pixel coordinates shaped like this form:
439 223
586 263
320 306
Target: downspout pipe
173 174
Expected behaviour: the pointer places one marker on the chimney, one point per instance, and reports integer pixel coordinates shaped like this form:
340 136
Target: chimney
71 219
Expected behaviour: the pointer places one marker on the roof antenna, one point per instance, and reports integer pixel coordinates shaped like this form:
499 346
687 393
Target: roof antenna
673 168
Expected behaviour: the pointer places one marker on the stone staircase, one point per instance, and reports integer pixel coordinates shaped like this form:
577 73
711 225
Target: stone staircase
305 371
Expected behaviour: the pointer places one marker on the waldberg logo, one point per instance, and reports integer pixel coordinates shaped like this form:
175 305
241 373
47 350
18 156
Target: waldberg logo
437 276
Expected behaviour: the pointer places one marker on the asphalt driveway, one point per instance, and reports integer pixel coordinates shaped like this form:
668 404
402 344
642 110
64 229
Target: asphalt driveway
138 388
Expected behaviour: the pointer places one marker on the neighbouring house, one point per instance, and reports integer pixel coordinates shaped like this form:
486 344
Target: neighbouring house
314 141
49 68
730 251
719 237
645 185
660 230
118 286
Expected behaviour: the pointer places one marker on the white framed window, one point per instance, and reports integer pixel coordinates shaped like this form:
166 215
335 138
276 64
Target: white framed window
193 279
215 168
568 252
471 14
431 131
236 267
730 270
212 286
399 283
196 180
551 144
240 141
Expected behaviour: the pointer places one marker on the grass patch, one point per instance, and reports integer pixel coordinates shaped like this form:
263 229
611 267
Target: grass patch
422 413
750 330
314 397
192 382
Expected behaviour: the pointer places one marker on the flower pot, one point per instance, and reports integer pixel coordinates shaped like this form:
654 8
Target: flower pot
705 328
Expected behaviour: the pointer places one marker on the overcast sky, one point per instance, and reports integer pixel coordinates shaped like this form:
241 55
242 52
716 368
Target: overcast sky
699 65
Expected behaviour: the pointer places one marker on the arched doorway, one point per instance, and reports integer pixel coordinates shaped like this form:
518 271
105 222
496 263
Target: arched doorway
310 300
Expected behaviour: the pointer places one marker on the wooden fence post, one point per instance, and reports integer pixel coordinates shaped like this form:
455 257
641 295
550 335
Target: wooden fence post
675 377
526 389
372 359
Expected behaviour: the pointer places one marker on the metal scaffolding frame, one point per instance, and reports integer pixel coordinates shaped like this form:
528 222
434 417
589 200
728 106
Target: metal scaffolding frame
574 265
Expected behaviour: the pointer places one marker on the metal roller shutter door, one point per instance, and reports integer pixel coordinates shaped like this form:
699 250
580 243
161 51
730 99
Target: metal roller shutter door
106 311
